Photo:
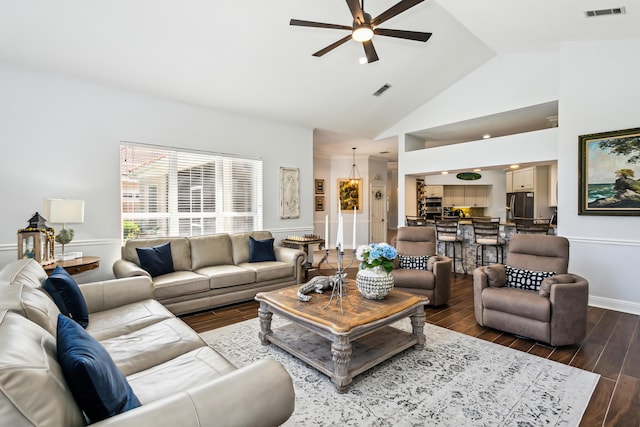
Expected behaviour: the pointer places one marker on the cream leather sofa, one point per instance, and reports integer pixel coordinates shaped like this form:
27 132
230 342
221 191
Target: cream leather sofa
179 380
213 270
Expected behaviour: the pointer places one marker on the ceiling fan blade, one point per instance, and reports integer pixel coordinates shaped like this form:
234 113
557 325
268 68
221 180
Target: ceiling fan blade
356 11
332 46
394 10
402 34
301 23
372 56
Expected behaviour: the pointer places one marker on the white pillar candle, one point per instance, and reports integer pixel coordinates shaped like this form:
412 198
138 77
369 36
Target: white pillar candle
326 231
340 238
354 227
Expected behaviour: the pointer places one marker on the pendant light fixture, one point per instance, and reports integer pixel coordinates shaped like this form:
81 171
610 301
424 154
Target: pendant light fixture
354 176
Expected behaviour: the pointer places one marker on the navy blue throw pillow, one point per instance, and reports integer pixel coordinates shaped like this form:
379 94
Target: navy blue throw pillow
67 296
261 250
156 260
97 385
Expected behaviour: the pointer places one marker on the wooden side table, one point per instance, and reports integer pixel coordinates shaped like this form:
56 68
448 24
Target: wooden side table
76 265
304 244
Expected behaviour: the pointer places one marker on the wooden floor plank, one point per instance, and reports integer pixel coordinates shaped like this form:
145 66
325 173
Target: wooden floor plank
623 410
596 411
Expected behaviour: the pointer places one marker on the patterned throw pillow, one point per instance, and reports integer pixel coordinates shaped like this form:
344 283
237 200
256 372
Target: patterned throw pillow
526 279
413 262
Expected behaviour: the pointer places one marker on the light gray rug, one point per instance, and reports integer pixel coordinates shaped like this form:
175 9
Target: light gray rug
456 380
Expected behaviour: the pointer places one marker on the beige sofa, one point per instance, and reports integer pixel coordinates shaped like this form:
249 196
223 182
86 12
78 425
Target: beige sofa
213 270
179 380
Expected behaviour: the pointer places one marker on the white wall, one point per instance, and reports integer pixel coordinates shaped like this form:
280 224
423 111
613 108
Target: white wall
60 139
599 91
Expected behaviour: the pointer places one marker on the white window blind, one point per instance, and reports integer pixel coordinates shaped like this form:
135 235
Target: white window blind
172 192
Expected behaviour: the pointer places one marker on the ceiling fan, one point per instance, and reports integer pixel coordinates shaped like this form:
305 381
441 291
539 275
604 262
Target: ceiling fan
364 27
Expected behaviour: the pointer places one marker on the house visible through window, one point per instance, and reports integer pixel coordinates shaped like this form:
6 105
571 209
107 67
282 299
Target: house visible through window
172 192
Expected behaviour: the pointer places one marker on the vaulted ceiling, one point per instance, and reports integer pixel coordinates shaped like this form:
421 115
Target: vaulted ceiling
244 57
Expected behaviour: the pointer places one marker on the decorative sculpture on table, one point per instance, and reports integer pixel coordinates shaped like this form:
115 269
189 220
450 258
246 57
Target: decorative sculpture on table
317 284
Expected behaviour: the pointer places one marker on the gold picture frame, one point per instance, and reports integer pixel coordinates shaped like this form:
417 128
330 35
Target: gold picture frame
320 186
350 194
609 173
319 203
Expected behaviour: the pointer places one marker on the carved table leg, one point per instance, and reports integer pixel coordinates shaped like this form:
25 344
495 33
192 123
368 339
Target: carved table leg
417 322
341 351
265 323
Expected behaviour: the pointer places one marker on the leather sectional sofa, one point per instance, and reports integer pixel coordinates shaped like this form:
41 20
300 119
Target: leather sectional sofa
177 378
213 270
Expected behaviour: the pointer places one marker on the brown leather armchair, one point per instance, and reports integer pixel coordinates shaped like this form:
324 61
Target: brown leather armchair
435 280
556 314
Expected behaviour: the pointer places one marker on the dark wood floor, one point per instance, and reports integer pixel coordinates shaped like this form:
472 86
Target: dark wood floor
611 349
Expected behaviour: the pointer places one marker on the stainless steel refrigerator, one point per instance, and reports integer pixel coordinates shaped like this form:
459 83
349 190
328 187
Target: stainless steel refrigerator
519 205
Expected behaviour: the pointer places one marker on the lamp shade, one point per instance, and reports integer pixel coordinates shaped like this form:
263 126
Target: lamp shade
64 211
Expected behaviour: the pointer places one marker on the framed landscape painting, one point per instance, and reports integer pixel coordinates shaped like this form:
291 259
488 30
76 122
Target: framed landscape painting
609 173
350 192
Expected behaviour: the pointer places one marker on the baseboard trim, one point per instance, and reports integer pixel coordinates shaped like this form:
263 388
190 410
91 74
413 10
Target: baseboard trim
616 305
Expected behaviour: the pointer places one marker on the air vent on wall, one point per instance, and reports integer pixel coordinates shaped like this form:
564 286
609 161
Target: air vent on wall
382 89
604 12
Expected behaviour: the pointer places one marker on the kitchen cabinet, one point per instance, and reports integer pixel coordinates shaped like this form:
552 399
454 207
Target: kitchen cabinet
453 195
466 195
524 179
434 190
476 196
509 176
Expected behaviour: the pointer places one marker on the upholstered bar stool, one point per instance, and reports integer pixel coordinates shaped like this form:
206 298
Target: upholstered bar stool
487 234
447 234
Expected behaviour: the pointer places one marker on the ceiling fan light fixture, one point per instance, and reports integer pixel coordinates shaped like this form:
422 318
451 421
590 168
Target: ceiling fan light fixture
363 33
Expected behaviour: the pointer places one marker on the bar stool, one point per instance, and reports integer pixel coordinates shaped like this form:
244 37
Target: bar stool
532 225
487 234
447 233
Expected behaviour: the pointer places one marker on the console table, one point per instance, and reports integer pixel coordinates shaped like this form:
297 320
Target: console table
76 265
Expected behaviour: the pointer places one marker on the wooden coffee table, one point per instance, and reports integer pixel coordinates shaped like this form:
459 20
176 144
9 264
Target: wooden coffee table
341 345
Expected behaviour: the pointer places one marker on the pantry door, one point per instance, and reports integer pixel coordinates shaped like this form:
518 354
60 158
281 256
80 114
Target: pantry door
378 223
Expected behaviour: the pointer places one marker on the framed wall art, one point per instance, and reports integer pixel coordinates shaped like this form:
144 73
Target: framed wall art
350 193
319 186
319 203
289 193
609 172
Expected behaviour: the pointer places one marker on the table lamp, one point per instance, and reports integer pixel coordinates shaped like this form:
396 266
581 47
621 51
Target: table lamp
64 211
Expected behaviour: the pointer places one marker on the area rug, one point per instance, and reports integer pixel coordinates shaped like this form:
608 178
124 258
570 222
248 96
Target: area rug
456 380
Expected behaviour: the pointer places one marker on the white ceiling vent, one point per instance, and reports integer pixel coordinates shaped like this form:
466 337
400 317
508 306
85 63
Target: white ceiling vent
604 12
382 89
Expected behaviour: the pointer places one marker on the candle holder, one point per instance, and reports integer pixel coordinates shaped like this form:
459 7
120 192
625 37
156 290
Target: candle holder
338 289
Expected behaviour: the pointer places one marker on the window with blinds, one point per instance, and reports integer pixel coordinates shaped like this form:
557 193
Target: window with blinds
172 192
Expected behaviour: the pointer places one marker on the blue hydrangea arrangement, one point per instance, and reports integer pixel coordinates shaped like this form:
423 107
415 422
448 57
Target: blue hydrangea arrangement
376 255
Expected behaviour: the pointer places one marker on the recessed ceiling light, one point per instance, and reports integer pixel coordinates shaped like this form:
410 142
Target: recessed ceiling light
445 172
486 136
477 170
514 166
362 60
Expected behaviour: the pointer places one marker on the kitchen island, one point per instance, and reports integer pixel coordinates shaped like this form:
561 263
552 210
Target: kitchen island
465 229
